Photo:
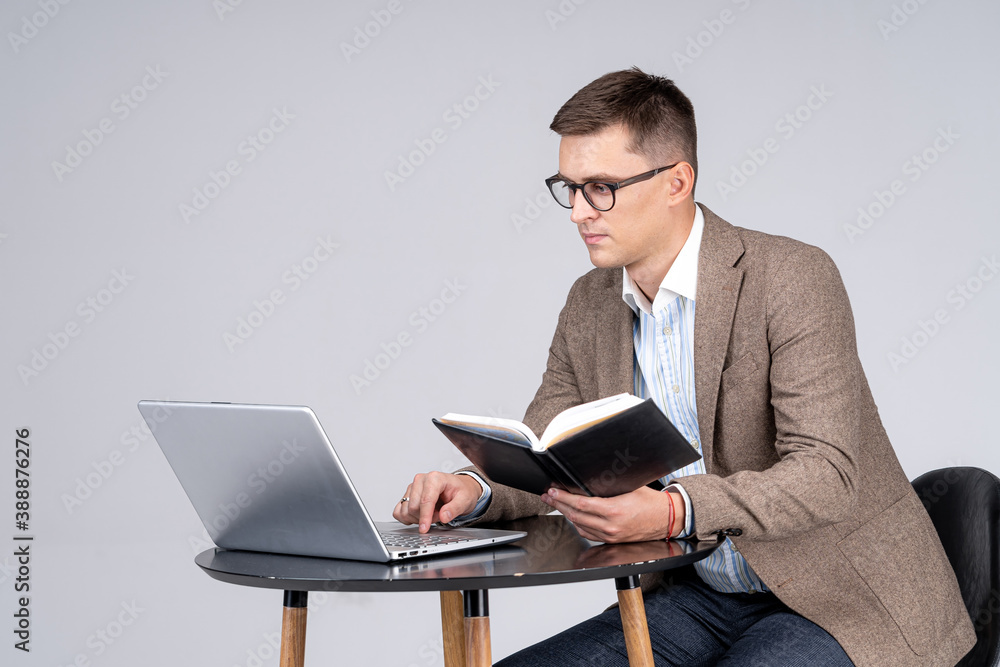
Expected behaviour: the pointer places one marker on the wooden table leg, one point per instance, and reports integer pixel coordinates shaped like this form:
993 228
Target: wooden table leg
477 628
640 652
453 628
293 629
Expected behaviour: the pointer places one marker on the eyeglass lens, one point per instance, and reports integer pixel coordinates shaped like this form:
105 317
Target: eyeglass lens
598 195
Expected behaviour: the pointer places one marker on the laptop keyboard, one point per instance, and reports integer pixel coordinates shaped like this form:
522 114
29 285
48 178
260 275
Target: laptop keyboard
414 541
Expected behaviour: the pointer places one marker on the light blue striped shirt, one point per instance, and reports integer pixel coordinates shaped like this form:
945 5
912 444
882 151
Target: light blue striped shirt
663 336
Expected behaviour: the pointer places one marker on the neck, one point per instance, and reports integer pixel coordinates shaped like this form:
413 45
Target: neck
649 275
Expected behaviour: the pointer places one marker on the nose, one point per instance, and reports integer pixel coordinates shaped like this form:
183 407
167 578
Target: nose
582 210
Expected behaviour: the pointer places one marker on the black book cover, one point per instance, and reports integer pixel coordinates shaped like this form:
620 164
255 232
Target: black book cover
615 456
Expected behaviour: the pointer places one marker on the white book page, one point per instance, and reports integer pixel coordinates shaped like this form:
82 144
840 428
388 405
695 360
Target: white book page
585 413
506 429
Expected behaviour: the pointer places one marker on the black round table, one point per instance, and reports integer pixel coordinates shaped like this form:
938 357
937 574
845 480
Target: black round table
552 553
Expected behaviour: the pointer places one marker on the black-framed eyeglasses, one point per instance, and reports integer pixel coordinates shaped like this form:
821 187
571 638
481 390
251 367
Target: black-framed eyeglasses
600 195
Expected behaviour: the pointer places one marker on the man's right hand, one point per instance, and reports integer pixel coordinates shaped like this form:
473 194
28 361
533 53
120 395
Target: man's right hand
437 496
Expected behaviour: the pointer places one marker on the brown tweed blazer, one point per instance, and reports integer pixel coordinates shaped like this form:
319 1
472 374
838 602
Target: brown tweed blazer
795 452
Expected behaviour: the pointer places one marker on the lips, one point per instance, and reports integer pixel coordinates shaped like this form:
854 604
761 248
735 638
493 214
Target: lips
591 239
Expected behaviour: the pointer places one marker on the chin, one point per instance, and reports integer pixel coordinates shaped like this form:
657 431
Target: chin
603 260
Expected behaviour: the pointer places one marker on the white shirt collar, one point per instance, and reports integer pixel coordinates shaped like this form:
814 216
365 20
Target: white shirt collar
681 278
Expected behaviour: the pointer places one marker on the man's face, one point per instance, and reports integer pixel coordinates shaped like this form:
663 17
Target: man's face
636 227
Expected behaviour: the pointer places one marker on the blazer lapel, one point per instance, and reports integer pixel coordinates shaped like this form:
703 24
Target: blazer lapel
614 344
715 307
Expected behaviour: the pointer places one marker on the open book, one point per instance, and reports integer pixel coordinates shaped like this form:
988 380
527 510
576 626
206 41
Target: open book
603 448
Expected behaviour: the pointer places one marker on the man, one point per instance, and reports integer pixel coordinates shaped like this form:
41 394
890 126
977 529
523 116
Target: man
746 341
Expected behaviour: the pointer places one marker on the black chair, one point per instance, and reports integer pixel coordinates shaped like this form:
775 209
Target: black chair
964 504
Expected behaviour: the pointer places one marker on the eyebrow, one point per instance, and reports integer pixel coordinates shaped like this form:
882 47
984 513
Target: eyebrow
602 177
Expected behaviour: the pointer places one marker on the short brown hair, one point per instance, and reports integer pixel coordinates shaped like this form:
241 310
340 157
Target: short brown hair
657 115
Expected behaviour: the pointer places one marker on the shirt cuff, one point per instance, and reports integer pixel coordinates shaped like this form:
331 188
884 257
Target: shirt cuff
481 505
688 529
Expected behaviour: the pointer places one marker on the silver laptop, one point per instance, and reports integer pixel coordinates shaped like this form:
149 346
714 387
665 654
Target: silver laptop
266 478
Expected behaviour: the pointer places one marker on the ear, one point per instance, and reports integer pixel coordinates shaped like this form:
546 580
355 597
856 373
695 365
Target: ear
681 183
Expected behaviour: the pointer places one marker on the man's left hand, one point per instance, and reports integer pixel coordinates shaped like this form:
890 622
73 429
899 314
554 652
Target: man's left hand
638 516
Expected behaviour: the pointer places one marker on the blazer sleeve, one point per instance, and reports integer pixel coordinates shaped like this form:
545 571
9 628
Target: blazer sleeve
813 411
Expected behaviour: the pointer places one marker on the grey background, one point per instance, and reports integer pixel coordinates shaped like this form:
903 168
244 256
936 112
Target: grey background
466 215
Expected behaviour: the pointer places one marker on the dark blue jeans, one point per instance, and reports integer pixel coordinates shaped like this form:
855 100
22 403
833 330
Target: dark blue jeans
692 625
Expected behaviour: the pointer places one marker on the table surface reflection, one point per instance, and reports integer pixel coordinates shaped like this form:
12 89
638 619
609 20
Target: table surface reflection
553 552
